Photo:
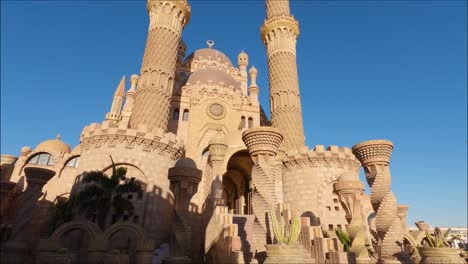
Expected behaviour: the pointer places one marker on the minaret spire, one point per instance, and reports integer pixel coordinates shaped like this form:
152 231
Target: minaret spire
167 19
117 102
279 34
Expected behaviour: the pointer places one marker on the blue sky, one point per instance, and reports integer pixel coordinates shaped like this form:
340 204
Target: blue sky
368 69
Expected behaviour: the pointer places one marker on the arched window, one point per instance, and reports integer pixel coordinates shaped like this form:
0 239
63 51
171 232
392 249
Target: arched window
250 122
42 159
74 162
175 116
185 115
243 122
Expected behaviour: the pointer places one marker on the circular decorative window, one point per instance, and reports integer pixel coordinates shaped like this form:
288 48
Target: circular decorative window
216 111
182 74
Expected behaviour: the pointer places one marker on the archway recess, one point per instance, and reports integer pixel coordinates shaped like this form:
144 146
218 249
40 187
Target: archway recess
237 182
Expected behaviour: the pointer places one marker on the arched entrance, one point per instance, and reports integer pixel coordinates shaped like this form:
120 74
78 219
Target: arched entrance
236 183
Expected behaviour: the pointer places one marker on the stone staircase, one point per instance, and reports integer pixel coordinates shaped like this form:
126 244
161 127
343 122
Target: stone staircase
252 237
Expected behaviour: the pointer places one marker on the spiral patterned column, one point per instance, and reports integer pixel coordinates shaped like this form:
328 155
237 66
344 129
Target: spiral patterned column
263 144
279 34
167 20
374 156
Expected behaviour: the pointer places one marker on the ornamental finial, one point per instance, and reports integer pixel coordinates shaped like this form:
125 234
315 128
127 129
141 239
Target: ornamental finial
210 43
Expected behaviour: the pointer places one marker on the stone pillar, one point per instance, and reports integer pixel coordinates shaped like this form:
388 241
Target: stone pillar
263 144
184 178
153 97
374 156
17 250
279 34
217 154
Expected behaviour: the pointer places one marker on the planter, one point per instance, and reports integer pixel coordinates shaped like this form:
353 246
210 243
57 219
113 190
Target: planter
431 255
284 254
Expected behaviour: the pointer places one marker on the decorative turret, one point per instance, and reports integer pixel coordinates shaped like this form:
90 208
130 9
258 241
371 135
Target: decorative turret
167 19
129 102
242 63
253 88
117 102
184 178
279 34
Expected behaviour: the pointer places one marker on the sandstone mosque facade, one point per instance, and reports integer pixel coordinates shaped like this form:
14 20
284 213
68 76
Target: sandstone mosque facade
191 130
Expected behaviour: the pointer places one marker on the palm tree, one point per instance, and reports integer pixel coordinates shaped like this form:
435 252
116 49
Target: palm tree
102 192
62 211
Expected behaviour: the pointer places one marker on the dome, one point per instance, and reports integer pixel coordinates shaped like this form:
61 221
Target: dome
210 52
186 163
53 145
210 74
76 150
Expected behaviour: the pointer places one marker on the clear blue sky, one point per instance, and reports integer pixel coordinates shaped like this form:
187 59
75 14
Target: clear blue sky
368 69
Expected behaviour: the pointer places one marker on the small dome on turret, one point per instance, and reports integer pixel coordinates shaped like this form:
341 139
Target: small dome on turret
25 150
186 163
53 145
253 70
243 59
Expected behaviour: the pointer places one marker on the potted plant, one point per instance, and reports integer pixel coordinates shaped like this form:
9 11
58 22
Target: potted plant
436 249
286 249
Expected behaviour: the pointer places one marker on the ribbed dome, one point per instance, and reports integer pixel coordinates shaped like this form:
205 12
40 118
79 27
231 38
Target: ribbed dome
209 52
53 145
210 74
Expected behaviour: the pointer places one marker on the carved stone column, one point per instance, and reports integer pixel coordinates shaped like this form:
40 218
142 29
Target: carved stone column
263 144
16 251
374 156
184 177
217 154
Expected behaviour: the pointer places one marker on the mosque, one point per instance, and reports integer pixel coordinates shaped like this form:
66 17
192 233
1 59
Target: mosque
191 131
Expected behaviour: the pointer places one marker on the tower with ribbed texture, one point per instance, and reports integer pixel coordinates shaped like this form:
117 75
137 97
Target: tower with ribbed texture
167 20
279 34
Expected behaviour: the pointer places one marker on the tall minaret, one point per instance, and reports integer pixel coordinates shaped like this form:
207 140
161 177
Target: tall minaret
153 96
279 34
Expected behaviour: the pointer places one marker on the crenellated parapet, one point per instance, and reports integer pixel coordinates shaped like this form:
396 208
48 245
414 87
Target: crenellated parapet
96 136
333 156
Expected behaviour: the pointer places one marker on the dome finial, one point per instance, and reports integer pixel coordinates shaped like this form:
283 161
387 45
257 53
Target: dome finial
58 136
210 43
